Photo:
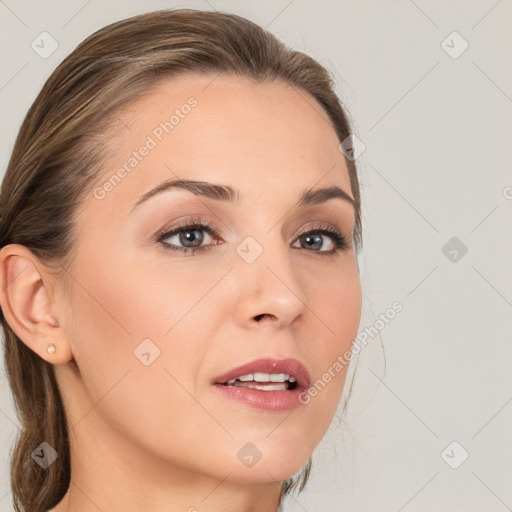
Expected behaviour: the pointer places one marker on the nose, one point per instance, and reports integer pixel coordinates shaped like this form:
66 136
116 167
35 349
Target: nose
269 290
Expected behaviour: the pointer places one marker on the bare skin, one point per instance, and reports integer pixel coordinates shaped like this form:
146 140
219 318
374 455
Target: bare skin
159 437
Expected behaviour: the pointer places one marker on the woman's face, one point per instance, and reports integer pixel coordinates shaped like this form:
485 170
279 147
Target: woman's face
151 329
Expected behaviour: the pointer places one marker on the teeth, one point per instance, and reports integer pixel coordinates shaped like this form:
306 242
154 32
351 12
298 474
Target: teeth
279 377
263 377
278 386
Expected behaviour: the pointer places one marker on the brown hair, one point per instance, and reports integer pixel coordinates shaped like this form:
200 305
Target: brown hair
59 152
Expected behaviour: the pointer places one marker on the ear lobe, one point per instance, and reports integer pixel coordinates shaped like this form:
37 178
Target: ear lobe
26 304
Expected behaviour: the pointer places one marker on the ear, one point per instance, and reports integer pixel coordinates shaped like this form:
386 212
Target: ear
26 303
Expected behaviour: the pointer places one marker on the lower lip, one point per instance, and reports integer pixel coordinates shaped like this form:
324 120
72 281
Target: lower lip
266 400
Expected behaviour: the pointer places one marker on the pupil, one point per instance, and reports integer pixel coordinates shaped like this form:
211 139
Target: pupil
192 238
317 239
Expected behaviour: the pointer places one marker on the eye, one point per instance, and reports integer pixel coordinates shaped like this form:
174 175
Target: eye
313 238
189 234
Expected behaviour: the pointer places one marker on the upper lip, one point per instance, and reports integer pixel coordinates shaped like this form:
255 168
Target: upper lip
291 367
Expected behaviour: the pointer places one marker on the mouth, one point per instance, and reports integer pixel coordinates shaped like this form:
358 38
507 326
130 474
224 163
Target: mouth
266 384
264 381
267 374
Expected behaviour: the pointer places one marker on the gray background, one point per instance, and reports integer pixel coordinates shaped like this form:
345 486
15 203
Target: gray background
436 166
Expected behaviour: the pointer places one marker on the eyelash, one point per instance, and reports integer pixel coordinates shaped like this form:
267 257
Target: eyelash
340 241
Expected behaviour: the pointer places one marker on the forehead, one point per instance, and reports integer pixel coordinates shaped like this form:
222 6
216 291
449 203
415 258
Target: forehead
262 138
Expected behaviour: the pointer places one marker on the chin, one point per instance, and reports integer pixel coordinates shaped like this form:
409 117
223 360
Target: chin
269 467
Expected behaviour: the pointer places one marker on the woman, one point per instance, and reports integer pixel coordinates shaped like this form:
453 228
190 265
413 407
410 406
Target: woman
179 233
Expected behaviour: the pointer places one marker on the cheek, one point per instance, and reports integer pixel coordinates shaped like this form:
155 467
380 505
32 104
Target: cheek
133 298
130 313
335 308
340 312
152 404
334 305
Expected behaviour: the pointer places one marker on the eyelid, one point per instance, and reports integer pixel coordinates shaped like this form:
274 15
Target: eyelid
205 225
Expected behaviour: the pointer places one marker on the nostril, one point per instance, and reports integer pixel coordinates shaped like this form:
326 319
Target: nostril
259 317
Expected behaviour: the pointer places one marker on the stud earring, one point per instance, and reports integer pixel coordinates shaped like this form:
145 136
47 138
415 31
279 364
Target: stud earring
51 348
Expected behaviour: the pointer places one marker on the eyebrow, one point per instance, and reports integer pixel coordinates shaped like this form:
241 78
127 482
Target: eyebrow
229 194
